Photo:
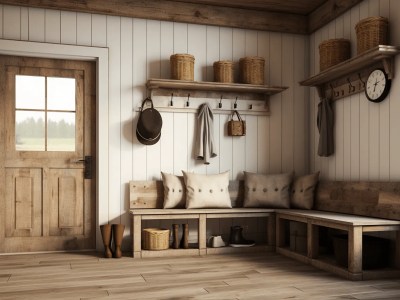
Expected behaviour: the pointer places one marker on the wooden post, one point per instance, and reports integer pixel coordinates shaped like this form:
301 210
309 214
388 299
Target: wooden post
312 240
280 231
397 258
355 249
137 236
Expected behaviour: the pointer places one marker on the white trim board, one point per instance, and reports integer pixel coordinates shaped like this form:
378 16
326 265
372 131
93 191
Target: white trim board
100 55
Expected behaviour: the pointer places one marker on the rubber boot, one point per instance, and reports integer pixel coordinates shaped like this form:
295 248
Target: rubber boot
185 236
106 235
175 236
118 233
237 240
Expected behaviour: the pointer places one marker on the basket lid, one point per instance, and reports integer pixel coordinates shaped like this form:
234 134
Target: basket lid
334 41
365 21
182 55
252 58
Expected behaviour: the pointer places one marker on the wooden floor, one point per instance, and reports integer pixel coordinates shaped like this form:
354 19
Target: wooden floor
250 276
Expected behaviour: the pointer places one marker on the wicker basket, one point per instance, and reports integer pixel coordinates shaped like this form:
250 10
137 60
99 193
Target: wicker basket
371 32
332 52
223 71
155 239
182 66
252 69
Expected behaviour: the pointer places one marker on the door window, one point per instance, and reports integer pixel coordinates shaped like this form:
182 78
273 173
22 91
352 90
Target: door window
45 113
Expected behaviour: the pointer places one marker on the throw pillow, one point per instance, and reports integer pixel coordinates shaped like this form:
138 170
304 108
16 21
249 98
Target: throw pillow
207 191
267 190
302 195
174 191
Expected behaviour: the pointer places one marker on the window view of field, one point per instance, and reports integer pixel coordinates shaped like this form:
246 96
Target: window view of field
40 121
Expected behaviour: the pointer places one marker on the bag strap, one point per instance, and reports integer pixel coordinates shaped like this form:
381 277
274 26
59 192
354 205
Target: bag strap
237 114
145 100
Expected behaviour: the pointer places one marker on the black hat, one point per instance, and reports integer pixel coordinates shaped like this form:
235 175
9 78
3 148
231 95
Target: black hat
148 130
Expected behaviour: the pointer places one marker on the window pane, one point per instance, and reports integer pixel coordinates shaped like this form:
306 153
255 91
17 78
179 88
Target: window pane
61 93
60 131
29 131
29 92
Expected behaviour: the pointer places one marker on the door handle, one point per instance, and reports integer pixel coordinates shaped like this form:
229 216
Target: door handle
88 161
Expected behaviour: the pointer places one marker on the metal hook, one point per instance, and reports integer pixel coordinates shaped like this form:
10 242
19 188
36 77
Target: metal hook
235 104
220 103
172 102
352 88
359 77
251 106
187 102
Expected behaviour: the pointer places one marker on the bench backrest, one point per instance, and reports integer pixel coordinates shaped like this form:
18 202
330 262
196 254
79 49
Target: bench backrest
372 199
150 194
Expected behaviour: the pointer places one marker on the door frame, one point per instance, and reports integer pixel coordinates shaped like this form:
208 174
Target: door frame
100 55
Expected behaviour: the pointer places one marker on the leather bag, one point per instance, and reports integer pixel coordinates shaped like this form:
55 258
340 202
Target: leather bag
236 128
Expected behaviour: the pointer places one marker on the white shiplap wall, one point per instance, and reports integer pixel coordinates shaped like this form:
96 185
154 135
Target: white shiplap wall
140 49
366 134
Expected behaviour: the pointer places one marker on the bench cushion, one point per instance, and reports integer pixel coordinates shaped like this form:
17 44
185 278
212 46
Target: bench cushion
302 193
174 191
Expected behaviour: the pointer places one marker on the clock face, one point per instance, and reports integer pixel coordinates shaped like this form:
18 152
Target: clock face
377 86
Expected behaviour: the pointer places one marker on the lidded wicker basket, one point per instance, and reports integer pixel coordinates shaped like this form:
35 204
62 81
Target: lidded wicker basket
371 32
182 66
332 52
252 69
155 239
223 71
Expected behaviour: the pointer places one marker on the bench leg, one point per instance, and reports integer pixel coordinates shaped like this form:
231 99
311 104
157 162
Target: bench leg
137 236
271 230
280 231
355 249
312 240
397 258
202 234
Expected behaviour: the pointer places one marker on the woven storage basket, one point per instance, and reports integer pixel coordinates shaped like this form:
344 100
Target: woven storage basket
371 32
252 69
182 66
332 52
155 239
223 71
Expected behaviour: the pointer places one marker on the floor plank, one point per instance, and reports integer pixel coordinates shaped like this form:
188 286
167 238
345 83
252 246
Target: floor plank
228 276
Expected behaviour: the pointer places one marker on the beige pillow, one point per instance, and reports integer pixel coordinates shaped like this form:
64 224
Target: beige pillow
267 190
174 191
302 195
207 191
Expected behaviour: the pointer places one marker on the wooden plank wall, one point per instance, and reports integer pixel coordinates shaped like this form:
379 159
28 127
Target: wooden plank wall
140 49
366 134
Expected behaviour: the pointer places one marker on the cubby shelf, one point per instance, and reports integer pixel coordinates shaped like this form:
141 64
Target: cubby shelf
346 78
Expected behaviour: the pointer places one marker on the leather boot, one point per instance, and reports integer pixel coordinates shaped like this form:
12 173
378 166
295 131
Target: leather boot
118 233
237 240
185 236
175 236
106 235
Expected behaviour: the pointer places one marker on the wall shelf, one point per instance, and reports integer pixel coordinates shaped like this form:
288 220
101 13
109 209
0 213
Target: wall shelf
348 77
214 93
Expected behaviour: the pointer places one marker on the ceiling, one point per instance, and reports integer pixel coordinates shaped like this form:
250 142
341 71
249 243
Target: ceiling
300 7
292 16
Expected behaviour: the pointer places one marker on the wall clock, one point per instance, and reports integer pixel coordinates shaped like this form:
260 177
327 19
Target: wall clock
377 86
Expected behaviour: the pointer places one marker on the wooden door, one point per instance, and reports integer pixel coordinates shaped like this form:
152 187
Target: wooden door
47 129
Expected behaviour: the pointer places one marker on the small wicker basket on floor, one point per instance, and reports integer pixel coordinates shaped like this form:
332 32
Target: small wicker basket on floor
182 66
155 239
223 71
332 52
252 69
371 32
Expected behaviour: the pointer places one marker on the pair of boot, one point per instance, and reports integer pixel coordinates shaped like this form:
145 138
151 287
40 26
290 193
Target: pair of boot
115 232
236 238
184 243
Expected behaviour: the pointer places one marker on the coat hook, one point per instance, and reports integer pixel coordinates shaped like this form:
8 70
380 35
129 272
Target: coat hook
220 103
251 106
352 88
359 77
235 104
332 90
187 102
172 102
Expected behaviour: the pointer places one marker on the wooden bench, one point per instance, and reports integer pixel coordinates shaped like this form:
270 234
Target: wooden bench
355 208
146 200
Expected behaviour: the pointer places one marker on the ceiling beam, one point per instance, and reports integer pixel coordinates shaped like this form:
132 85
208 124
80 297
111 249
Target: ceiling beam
179 12
327 12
